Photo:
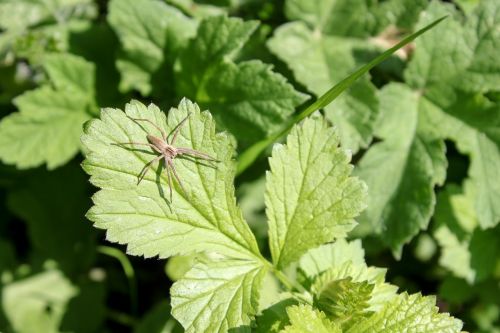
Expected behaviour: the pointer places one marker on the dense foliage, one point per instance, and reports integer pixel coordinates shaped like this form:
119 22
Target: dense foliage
378 213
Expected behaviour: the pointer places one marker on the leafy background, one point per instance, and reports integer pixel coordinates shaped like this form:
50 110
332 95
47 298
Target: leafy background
423 128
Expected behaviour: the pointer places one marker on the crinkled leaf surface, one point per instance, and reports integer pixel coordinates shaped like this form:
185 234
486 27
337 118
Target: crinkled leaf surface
401 170
434 61
473 123
344 300
335 17
205 218
311 198
151 34
247 98
483 37
359 273
37 303
320 61
306 319
409 313
48 125
331 255
217 295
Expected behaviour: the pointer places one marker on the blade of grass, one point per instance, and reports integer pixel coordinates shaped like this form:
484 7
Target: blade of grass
252 153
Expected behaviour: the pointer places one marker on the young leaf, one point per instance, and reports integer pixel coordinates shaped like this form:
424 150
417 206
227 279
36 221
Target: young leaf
345 300
331 255
203 218
37 303
408 313
49 122
402 170
306 319
380 294
248 98
310 197
216 296
151 33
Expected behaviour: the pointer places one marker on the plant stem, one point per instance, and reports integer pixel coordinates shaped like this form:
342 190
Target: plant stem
128 269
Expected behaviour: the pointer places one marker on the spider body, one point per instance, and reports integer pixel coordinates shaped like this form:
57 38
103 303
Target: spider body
167 152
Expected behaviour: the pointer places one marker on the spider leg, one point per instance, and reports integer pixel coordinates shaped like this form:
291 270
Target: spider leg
171 163
134 143
195 153
163 135
169 177
141 144
177 128
145 168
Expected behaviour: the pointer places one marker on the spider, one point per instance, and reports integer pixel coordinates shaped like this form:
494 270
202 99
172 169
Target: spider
167 152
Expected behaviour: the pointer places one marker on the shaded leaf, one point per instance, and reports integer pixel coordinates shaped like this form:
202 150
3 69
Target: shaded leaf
48 125
248 98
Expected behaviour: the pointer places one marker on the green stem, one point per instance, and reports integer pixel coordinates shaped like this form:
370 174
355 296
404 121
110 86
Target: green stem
121 318
128 269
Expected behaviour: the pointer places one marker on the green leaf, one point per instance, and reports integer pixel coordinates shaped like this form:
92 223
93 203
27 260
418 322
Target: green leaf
253 152
49 122
336 17
204 218
55 224
434 61
456 220
37 303
319 61
310 197
21 14
472 46
247 98
217 295
306 319
381 293
274 318
31 29
177 266
402 170
344 300
151 34
472 122
409 313
483 37
331 255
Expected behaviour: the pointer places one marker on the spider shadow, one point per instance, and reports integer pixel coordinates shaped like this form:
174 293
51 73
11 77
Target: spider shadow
161 167
158 171
199 161
129 148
